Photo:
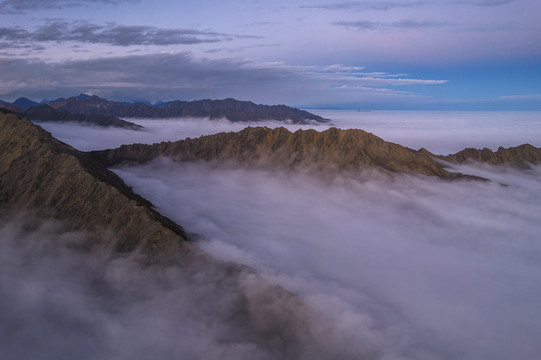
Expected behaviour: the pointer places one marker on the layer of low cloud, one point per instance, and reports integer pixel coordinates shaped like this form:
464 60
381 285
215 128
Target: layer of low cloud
87 138
440 270
390 268
440 132
60 298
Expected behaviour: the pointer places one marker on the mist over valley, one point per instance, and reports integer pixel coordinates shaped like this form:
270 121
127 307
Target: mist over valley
281 180
387 265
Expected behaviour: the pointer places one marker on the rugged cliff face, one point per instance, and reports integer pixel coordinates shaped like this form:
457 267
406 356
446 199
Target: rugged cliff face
331 150
38 172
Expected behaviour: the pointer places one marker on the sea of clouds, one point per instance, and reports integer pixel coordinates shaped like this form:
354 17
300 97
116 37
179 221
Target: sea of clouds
441 132
402 267
436 269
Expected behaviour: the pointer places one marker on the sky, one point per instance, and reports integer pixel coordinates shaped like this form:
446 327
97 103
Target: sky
396 54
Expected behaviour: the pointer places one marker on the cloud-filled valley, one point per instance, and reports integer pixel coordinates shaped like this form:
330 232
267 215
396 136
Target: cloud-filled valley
392 267
439 132
439 270
396 217
60 299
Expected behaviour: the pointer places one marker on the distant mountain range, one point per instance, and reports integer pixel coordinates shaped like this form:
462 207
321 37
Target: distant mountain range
95 110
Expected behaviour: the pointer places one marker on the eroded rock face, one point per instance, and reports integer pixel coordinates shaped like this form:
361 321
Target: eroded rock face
520 156
39 172
333 149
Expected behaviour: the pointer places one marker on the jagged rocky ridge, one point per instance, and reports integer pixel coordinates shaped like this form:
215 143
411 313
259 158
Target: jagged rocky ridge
330 150
231 109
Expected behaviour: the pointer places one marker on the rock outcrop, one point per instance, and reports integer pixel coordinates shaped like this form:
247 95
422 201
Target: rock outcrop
330 150
39 172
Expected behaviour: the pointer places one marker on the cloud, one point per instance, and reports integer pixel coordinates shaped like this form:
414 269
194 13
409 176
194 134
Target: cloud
367 5
21 6
428 264
397 25
183 76
484 3
89 138
60 296
523 97
391 5
111 34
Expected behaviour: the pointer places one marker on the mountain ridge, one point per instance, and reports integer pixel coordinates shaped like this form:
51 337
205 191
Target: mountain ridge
331 150
231 109
43 179
520 156
39 172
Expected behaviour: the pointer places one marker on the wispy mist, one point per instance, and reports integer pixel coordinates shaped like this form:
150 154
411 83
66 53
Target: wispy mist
445 132
387 268
432 269
60 299
98 138
438 131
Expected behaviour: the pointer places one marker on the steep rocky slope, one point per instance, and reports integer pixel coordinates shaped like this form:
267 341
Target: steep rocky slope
38 172
333 149
231 109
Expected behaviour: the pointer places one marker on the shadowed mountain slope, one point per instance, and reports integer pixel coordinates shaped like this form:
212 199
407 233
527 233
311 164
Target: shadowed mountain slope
231 109
48 114
38 172
329 150
25 103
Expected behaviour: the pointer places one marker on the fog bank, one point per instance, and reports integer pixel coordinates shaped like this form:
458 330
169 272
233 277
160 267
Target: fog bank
88 138
445 132
441 132
61 300
432 269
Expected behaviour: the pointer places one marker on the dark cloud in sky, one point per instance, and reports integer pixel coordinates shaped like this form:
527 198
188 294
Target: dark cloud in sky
152 77
183 76
20 6
111 34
